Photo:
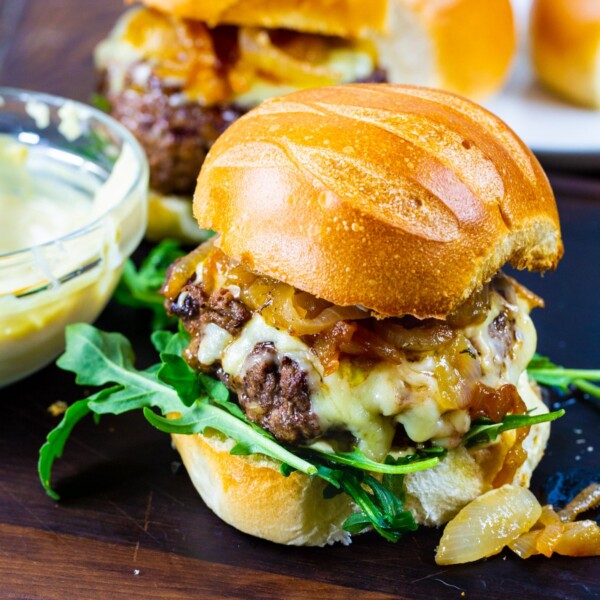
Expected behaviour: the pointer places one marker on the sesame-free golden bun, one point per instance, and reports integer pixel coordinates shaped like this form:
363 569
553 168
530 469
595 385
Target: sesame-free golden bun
565 47
401 199
465 46
251 494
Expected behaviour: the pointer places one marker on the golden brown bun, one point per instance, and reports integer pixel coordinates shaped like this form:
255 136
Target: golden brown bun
345 18
404 200
463 46
565 45
250 493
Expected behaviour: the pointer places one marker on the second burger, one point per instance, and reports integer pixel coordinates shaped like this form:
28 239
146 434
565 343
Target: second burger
178 73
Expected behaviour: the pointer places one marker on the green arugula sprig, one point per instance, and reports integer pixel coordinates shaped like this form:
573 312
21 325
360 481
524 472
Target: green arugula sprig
484 431
188 402
176 399
415 462
379 507
544 371
138 288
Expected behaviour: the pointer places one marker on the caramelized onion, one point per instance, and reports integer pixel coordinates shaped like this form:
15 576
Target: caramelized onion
550 534
417 339
277 304
558 533
180 272
259 52
487 524
581 538
180 49
327 345
526 544
366 343
474 310
491 521
494 404
587 499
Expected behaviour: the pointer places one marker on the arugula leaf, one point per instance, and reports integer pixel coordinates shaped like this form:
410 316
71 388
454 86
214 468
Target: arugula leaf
99 358
100 101
55 442
139 288
176 399
379 507
358 460
176 373
485 430
544 371
202 416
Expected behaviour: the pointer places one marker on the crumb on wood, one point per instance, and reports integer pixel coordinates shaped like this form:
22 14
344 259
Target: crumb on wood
58 408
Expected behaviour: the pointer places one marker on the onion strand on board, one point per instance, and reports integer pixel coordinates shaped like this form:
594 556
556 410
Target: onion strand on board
487 524
511 516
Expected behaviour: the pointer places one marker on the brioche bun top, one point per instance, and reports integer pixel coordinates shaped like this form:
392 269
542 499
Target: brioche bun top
402 199
345 18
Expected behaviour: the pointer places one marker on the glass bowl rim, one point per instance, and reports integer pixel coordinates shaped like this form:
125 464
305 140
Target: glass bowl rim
141 174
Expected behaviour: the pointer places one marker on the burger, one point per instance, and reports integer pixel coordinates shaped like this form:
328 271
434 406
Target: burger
177 73
353 301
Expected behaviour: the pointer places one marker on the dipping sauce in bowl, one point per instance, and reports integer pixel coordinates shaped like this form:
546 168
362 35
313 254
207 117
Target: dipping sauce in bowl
73 187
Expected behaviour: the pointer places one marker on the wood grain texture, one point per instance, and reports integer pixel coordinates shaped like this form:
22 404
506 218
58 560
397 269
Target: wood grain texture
126 502
51 42
121 571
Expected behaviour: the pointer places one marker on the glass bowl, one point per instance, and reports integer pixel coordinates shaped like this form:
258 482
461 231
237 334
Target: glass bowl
73 187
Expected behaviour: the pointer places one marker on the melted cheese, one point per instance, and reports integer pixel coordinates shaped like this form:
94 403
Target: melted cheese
213 344
256 331
370 403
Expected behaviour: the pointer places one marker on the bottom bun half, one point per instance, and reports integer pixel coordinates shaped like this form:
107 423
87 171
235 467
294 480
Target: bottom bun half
249 492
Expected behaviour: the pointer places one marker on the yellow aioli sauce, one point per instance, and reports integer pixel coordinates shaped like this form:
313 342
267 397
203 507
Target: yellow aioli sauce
29 215
45 288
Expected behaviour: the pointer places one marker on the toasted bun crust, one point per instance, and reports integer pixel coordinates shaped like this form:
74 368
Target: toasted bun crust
565 45
345 18
401 199
463 46
250 493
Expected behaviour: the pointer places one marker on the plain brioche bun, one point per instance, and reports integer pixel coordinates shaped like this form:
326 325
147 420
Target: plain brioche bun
401 199
249 492
565 46
464 46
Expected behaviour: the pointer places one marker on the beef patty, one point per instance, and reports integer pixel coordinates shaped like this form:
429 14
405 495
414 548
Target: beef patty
274 394
272 391
175 133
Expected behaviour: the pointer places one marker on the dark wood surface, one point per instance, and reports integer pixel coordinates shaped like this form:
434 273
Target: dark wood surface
130 524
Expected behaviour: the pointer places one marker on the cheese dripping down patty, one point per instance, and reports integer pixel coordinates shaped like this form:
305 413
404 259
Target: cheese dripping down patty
426 393
146 43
